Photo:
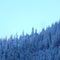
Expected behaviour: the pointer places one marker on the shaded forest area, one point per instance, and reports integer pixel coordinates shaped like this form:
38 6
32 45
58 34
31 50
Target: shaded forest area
36 46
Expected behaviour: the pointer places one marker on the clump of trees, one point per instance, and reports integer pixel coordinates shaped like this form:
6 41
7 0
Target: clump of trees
36 46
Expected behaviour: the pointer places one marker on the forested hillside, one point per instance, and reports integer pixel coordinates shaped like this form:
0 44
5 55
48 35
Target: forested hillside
36 46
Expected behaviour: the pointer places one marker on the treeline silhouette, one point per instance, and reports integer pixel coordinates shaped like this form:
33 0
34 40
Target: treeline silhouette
36 46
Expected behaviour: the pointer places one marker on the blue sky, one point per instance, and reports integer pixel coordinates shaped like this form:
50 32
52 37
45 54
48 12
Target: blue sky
19 15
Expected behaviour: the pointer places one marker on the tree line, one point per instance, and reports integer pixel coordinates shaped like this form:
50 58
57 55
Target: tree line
36 46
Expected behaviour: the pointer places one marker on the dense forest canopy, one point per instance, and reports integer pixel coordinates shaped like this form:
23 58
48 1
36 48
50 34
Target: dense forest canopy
36 46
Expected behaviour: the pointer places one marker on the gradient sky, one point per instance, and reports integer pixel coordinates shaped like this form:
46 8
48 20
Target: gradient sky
19 15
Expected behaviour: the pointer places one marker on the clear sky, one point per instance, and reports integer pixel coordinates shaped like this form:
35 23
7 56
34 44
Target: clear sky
19 15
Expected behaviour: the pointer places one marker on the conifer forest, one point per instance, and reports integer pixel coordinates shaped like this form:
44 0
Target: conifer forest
36 46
